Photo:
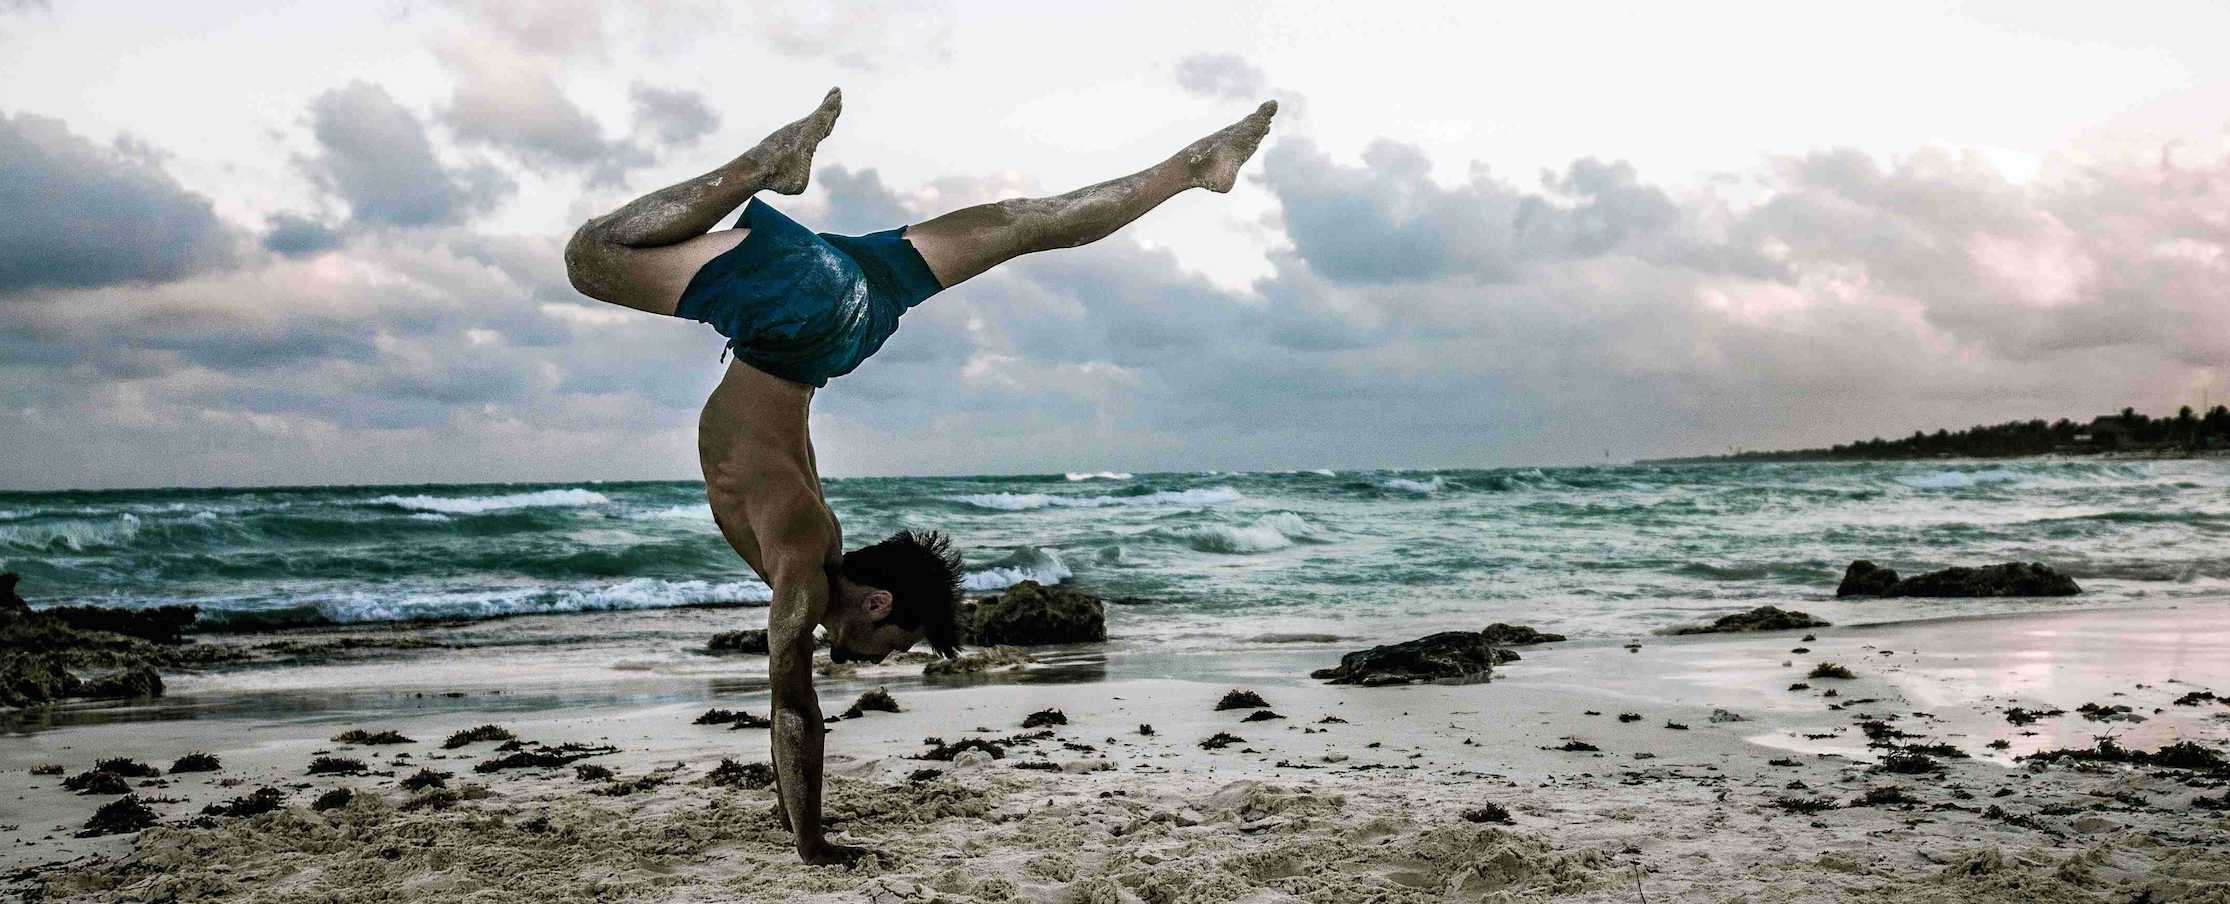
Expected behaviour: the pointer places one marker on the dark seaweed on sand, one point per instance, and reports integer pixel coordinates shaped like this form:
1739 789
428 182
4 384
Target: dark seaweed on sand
1676 726
590 772
1572 745
2197 697
129 768
1221 740
2184 755
878 700
623 789
1041 765
749 776
1907 763
1830 670
1331 720
1241 699
542 757
1629 717
124 814
333 800
1261 715
336 765
425 778
474 735
360 736
1488 813
1045 717
2019 716
1145 730
95 781
943 752
263 800
195 762
1804 805
1885 796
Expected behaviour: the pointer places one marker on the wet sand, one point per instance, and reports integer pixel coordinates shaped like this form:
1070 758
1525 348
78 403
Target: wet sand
1379 803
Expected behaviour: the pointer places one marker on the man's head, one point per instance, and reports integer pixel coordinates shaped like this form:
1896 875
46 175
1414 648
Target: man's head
892 595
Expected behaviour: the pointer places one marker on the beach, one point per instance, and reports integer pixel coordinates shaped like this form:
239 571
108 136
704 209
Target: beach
1710 778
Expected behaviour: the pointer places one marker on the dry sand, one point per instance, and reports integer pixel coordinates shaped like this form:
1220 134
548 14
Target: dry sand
1380 806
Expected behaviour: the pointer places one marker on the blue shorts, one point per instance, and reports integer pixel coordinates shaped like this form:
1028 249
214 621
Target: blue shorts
802 305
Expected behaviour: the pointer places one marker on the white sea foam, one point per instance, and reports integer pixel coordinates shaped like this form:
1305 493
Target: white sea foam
677 513
638 593
72 536
1023 502
1404 485
1269 532
473 505
1954 480
1031 564
1099 475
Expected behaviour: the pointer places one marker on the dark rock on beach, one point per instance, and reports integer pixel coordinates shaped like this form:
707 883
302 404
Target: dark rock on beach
1449 657
1864 578
1031 614
1517 635
81 651
1763 618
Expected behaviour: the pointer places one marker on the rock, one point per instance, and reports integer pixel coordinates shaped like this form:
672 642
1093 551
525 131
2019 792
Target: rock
29 679
2009 579
1864 578
970 759
1763 618
130 684
160 624
999 657
1031 614
1501 634
1449 657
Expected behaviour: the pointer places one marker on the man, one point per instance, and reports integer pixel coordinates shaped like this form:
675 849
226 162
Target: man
798 308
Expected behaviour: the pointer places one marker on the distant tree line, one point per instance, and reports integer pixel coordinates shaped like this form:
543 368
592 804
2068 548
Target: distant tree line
2126 431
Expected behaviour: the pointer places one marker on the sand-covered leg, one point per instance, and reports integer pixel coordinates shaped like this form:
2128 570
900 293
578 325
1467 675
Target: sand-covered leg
965 242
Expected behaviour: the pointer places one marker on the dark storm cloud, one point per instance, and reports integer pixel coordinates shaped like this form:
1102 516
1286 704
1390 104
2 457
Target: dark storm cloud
80 214
295 236
859 202
1221 75
375 155
676 117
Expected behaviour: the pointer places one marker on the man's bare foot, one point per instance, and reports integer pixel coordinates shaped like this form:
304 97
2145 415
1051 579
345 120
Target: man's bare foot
788 153
1215 160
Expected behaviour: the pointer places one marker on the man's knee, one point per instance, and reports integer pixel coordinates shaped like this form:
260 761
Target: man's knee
589 259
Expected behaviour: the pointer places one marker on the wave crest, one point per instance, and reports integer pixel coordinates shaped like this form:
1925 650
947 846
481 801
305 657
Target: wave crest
1023 502
473 505
1026 564
1269 532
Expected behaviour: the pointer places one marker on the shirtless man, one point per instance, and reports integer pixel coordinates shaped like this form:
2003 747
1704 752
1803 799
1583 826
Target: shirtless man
799 307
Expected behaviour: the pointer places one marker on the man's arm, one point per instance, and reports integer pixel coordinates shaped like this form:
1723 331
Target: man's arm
800 598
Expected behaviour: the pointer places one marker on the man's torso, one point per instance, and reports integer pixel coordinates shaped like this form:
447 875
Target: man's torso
760 475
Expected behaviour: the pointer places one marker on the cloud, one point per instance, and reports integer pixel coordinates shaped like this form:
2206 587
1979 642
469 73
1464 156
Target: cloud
80 214
375 155
1221 75
860 34
676 117
294 236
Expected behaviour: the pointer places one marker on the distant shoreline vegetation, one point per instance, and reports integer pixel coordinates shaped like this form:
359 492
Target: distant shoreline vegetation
2186 432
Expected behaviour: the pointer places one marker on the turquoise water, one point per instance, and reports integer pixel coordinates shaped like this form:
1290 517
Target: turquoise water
1225 557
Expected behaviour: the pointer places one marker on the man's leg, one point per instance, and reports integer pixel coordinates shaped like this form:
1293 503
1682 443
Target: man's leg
965 242
643 254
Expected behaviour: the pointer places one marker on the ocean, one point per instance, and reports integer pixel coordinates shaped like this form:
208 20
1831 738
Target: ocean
1205 561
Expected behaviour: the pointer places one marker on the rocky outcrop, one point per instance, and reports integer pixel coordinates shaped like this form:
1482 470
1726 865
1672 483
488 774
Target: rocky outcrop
1449 657
44 654
1032 614
1504 635
1763 618
752 642
1864 578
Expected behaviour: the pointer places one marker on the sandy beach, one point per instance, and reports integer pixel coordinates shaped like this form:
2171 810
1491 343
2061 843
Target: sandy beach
1709 779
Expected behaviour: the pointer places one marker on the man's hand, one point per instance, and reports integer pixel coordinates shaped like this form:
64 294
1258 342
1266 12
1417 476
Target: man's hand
828 853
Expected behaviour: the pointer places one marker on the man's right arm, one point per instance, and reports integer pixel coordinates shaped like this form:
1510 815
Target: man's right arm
800 599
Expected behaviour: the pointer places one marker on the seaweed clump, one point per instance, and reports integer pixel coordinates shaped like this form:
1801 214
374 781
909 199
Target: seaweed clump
337 765
1241 699
1488 813
1804 805
127 767
878 700
749 776
124 814
360 736
425 778
943 752
1221 740
542 757
263 800
333 800
478 734
1045 717
97 781
195 762
1831 670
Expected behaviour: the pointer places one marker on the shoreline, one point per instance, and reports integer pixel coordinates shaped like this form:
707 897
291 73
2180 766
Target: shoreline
1656 802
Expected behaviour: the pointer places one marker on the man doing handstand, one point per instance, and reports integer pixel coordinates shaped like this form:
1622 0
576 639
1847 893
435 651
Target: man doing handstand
799 307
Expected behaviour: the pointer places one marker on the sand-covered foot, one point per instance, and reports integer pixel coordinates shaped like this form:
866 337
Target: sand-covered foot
1215 160
788 153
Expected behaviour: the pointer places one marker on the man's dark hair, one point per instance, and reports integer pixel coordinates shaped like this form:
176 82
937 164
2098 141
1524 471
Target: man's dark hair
922 572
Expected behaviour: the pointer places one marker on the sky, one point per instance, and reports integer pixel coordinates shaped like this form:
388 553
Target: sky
250 244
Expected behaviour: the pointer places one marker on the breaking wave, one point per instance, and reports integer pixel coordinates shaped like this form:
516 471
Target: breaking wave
1269 532
1023 502
473 505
